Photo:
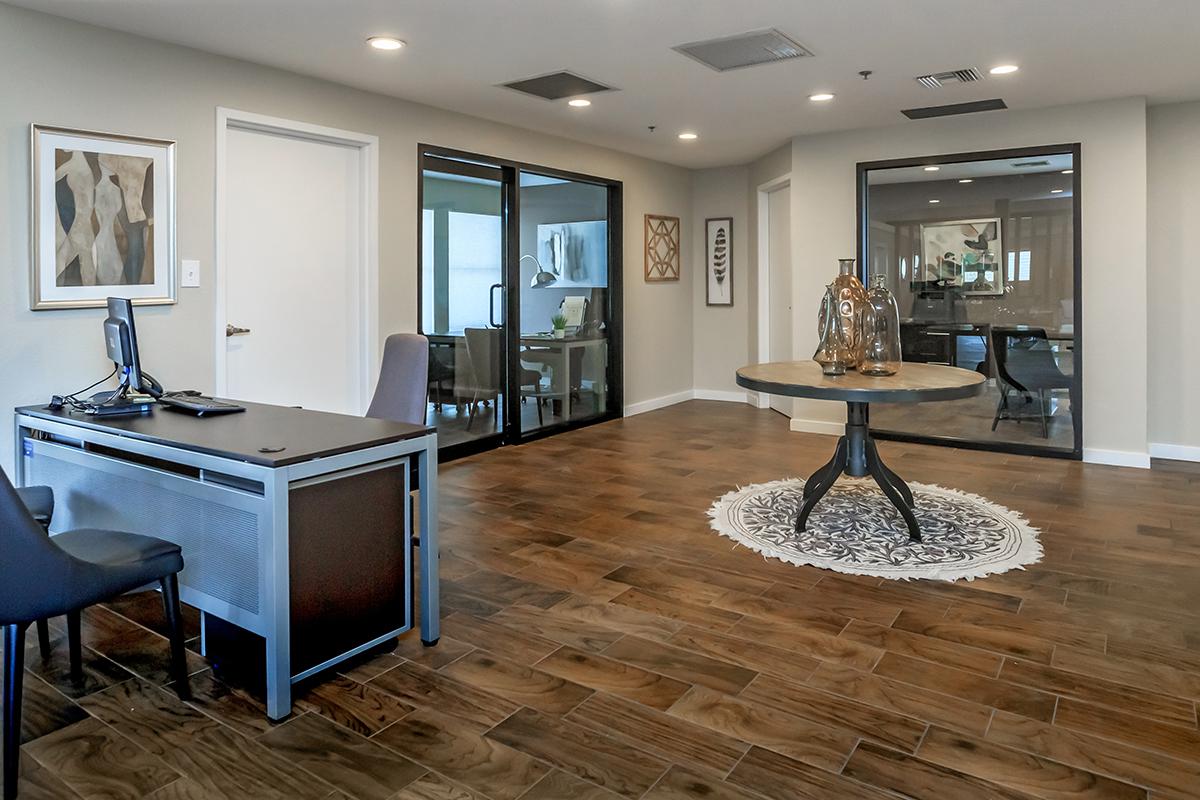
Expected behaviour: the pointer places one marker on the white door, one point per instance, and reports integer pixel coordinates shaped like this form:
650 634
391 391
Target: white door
779 268
293 242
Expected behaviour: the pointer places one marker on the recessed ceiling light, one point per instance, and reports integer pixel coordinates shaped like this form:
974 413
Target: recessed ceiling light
579 102
1056 191
821 97
935 201
1004 69
966 180
385 42
932 169
688 136
1068 172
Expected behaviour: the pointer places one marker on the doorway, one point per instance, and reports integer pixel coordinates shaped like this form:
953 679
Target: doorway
775 279
519 298
296 263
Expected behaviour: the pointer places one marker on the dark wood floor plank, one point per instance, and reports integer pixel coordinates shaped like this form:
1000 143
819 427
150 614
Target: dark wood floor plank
1135 672
97 762
672 738
857 603
526 686
449 648
609 675
344 759
758 657
356 706
684 784
968 686
435 787
596 758
906 643
778 777
417 686
621 617
654 580
681 611
1174 740
1021 771
920 779
767 726
458 751
491 634
559 785
681 664
786 612
558 628
98 672
1048 630
810 643
1097 690
35 782
45 710
984 637
229 705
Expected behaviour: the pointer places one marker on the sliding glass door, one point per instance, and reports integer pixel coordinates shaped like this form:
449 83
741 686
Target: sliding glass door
519 298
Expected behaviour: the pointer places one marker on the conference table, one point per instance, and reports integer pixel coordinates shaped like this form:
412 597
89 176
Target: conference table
856 454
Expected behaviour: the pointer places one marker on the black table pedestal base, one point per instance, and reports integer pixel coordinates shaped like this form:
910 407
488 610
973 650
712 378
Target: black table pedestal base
857 456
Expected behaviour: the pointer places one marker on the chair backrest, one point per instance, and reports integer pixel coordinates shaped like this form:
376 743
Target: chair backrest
403 388
1023 357
483 350
34 572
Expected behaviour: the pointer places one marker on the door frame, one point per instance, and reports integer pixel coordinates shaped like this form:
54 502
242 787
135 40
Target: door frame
367 269
762 270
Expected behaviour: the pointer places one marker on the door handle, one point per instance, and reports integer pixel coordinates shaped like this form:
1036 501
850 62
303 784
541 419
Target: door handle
234 330
492 305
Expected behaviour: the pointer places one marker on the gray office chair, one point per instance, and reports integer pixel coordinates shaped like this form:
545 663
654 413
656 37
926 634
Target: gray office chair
43 576
40 502
1022 361
403 390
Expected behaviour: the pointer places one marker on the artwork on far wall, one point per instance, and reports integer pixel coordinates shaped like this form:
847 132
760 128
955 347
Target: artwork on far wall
103 218
662 248
718 261
576 253
967 253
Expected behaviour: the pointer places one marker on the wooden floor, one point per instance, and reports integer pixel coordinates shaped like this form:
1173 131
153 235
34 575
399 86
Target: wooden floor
601 642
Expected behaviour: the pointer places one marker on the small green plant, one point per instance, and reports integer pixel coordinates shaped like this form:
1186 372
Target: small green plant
559 322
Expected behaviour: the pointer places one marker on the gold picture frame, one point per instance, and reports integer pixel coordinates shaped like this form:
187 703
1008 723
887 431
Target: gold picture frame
662 248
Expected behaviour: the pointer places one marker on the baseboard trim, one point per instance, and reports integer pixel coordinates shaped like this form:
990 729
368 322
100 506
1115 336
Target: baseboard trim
1116 458
722 395
817 426
1174 452
655 403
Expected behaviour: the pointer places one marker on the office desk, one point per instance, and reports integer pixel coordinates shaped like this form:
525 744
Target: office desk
295 525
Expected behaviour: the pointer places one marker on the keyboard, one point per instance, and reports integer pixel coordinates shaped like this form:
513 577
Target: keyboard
199 405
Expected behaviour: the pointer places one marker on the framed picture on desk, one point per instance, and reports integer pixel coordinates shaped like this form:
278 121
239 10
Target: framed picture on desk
103 218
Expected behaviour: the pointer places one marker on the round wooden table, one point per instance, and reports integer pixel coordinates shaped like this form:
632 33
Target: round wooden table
856 454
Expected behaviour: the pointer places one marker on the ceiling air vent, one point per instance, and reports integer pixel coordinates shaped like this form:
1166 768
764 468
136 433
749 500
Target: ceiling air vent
939 79
954 108
557 85
1029 164
744 50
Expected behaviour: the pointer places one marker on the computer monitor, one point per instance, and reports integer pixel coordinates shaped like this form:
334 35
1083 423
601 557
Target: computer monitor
120 340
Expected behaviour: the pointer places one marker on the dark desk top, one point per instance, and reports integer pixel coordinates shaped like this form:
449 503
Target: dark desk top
305 434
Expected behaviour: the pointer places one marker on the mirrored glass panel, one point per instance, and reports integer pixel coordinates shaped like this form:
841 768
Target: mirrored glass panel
980 256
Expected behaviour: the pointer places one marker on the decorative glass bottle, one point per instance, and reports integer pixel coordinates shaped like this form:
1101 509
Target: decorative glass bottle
880 331
850 297
833 351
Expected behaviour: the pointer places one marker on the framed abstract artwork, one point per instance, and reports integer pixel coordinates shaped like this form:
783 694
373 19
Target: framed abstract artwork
103 218
966 253
718 261
662 248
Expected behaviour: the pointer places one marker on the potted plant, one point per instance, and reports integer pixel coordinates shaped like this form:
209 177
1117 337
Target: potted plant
560 326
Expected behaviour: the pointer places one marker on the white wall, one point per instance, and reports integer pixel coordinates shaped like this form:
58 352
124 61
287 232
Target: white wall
1113 201
1174 291
63 73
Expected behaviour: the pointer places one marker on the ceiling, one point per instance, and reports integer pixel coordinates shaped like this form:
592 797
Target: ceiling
458 50
1001 167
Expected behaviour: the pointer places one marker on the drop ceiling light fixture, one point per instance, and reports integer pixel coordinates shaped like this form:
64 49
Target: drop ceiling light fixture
1056 191
966 180
935 201
1068 172
386 42
579 102
688 136
820 97
932 169
1004 69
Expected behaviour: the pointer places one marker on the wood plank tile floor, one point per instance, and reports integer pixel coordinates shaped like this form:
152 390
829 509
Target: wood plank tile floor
601 642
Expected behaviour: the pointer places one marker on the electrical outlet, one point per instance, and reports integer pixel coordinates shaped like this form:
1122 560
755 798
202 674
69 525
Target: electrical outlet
190 277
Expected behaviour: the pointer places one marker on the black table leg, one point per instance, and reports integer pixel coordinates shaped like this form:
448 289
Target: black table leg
895 489
815 479
828 475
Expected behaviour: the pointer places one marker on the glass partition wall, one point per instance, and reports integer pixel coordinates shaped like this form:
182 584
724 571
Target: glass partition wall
982 254
519 298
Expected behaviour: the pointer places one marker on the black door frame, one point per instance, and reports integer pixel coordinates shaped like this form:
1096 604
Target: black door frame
509 172
863 232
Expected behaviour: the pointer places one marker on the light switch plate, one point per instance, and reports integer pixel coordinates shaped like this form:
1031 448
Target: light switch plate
190 277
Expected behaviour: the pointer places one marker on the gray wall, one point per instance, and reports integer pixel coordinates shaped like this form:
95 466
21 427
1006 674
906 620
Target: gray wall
63 73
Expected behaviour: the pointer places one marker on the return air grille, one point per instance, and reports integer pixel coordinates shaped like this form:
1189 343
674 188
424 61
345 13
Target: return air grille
939 79
954 108
558 85
744 50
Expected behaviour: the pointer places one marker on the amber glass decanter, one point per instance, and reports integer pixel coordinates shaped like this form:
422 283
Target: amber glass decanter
833 351
851 301
880 331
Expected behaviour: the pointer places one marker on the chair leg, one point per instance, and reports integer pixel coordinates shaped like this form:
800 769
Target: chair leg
541 422
75 644
1042 413
179 673
14 669
1000 407
43 629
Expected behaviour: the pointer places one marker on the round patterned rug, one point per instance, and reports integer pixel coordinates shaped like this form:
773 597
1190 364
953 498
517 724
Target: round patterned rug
854 529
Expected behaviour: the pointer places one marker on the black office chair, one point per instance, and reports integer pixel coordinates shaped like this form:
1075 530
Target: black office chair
40 502
43 577
1023 362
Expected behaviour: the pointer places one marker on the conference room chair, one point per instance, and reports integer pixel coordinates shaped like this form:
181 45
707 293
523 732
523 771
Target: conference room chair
40 502
1023 362
47 576
402 393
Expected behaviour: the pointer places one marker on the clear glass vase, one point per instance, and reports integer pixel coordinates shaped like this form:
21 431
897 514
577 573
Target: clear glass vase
833 351
850 299
880 331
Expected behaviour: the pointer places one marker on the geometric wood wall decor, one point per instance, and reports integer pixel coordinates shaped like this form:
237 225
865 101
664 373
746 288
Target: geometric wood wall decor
662 248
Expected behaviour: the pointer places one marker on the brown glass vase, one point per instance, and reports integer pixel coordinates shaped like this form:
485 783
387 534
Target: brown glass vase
850 297
833 351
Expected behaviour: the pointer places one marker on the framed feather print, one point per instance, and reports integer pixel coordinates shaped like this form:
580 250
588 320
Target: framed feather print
718 262
966 253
